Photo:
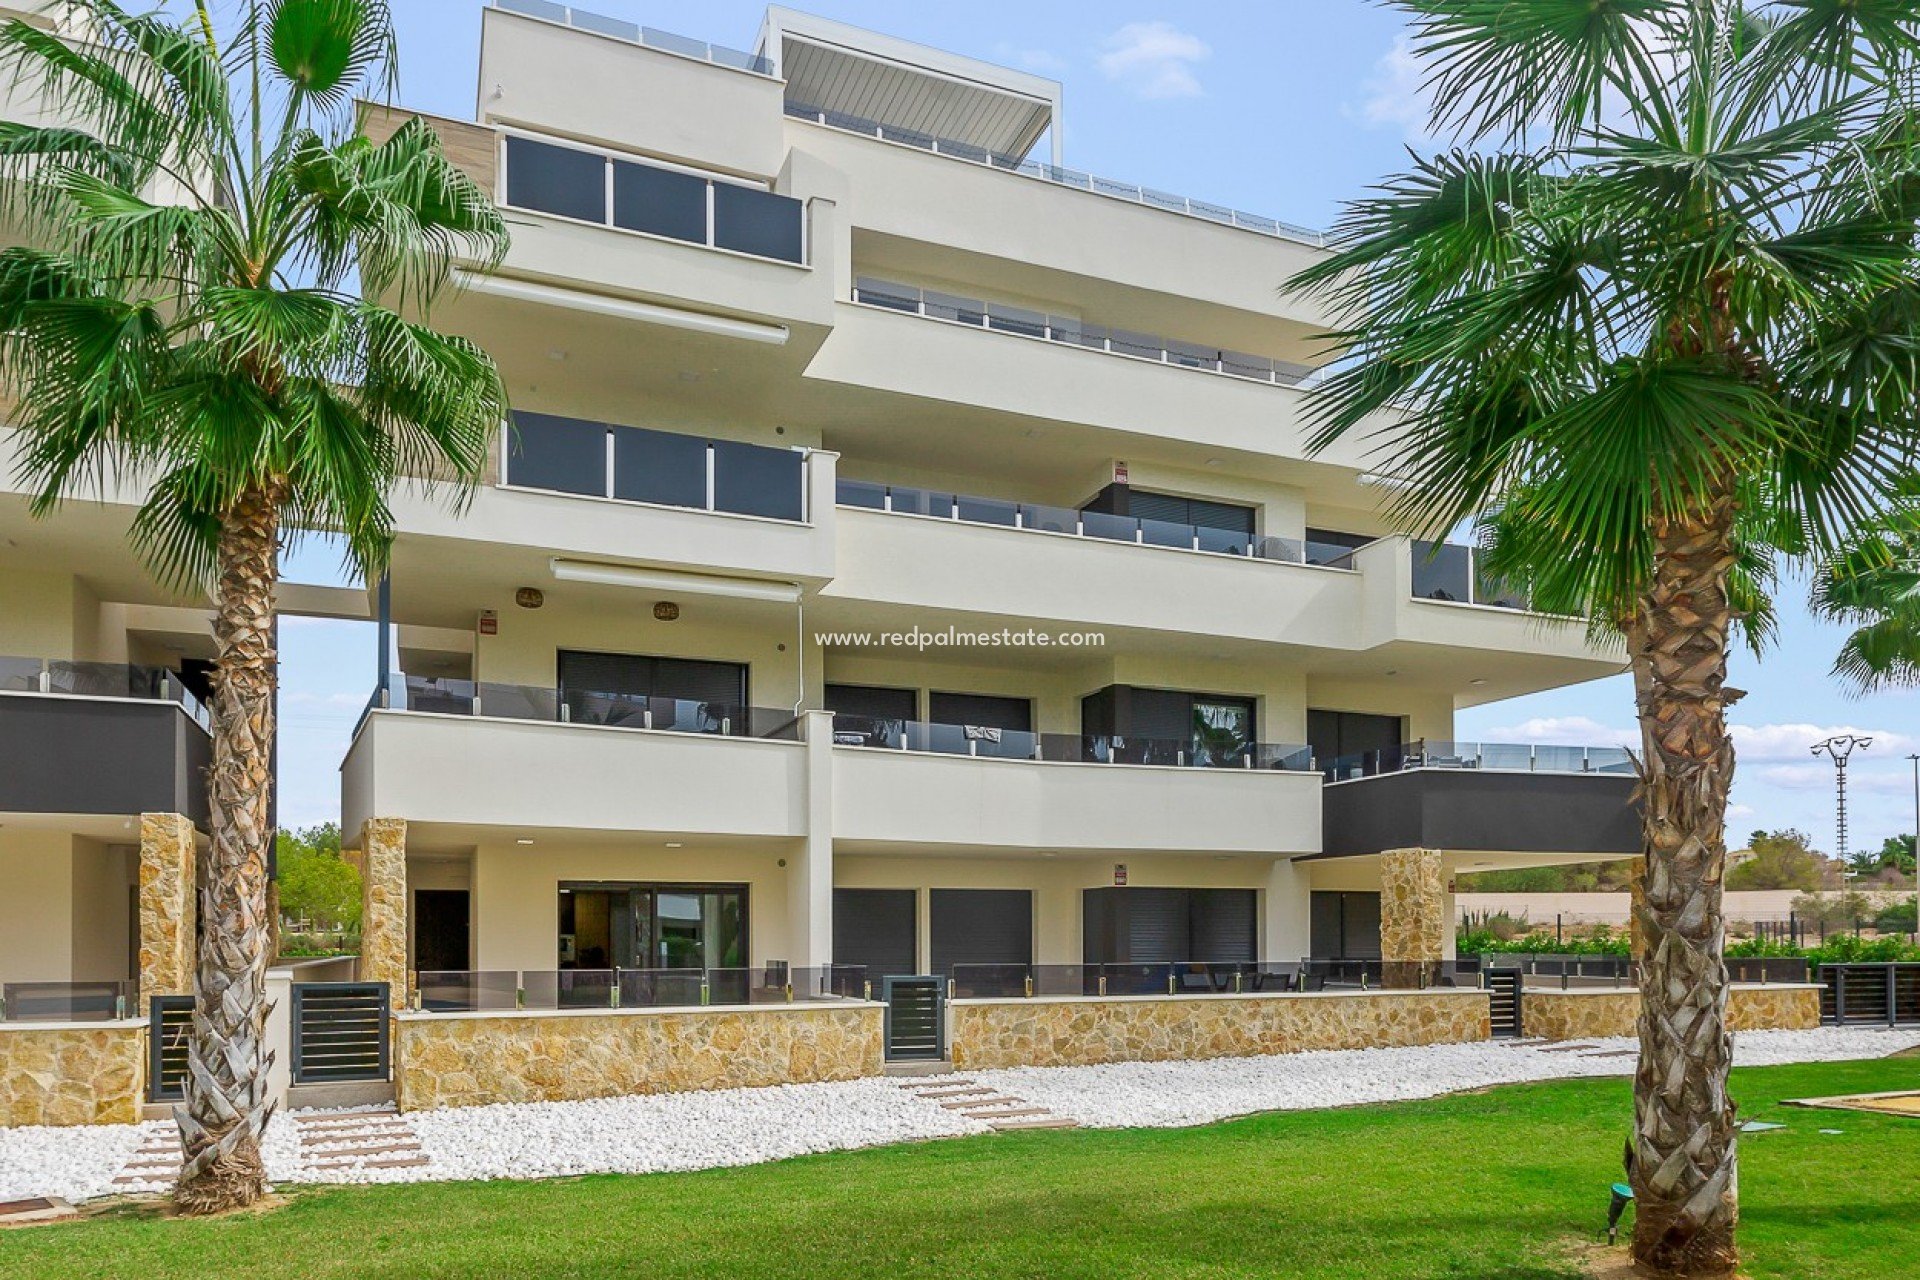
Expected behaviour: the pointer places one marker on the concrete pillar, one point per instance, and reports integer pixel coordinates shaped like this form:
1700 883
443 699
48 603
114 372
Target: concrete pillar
167 910
1287 935
1413 916
383 905
810 869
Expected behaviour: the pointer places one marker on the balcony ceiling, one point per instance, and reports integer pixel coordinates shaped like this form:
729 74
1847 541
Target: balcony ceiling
946 106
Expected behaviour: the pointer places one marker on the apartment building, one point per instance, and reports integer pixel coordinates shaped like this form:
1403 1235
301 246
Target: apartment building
813 352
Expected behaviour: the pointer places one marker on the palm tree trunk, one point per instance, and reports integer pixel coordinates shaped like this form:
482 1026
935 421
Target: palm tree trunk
1684 1177
226 1107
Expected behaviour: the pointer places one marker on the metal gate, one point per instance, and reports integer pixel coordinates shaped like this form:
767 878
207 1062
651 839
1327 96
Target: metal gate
916 1023
169 1025
1503 994
1870 994
340 1032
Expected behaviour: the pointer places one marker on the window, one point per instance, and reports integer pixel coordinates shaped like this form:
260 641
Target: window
557 180
652 926
984 710
1337 735
866 716
1168 726
1159 926
1344 926
692 695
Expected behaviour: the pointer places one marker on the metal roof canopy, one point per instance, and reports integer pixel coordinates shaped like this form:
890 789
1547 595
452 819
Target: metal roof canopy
837 67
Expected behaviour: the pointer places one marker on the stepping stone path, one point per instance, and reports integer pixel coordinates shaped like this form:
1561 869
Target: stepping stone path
1000 1111
328 1142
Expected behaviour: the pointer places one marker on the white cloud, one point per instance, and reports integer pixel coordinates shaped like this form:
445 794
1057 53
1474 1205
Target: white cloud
1739 811
1819 777
1568 731
1397 96
1154 60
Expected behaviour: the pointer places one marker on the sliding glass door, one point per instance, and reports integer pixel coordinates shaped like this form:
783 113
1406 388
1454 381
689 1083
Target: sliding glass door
647 926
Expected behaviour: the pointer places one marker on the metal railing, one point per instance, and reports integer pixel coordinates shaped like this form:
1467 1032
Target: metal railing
1520 757
1450 571
1068 331
586 20
108 1001
1132 192
1042 518
488 700
100 680
463 991
988 742
1886 994
1191 977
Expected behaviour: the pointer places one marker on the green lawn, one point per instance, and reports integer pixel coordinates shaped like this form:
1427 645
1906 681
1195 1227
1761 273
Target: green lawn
1480 1187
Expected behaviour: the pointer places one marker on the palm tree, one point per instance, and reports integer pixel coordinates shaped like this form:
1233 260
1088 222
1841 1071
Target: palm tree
1657 306
183 311
1873 583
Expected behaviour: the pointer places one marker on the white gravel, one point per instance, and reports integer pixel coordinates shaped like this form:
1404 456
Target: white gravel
1171 1094
746 1126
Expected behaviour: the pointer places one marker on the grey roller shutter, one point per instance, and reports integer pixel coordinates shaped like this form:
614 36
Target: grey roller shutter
874 928
981 926
1223 925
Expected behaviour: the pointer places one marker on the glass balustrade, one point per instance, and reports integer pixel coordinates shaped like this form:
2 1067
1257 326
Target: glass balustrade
1078 180
1512 757
632 32
1452 572
99 680
956 309
986 742
488 700
1006 514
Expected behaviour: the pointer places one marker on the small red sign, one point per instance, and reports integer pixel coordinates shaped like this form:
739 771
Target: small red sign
1120 473
489 623
1119 874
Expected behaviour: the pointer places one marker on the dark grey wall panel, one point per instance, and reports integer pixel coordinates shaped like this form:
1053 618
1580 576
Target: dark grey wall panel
86 755
1483 809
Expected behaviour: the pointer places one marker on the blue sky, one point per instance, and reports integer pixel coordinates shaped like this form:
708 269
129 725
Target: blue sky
1278 108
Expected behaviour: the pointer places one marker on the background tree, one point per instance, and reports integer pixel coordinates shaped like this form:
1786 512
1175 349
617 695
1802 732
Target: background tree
318 887
1668 327
184 313
1873 585
1782 860
1895 853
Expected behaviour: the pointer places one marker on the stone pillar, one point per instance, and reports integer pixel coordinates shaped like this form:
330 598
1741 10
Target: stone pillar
1637 886
383 905
167 912
1413 916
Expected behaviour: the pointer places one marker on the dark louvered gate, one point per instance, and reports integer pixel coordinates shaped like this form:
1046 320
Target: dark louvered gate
169 1024
1503 993
916 1018
340 1032
1869 994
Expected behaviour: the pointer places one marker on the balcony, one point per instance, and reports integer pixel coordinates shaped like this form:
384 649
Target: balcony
968 560
478 754
1022 322
591 490
1483 797
100 738
604 189
946 786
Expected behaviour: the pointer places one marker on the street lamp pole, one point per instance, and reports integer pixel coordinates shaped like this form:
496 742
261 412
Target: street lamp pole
1840 747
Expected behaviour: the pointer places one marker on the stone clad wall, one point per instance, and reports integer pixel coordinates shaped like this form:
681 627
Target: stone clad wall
72 1073
1074 1031
166 904
383 906
1599 1011
1413 916
463 1060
